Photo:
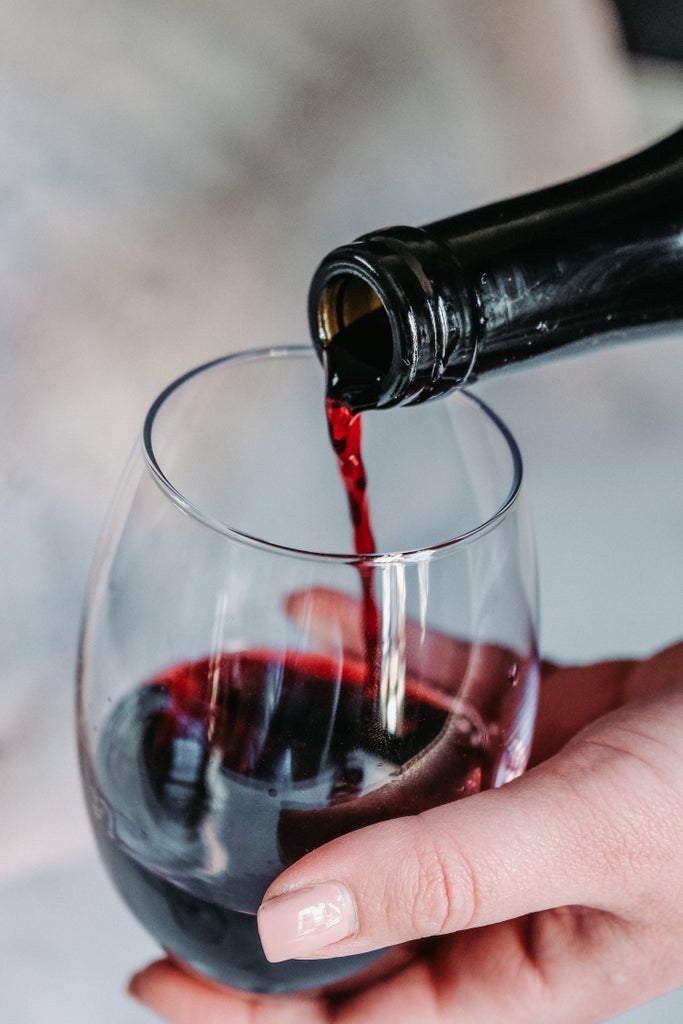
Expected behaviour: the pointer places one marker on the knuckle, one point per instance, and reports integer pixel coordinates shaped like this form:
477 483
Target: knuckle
444 891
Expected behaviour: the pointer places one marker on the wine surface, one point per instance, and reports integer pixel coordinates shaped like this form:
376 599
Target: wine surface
216 775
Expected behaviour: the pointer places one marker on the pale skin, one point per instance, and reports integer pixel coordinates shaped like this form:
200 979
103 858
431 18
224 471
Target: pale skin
558 897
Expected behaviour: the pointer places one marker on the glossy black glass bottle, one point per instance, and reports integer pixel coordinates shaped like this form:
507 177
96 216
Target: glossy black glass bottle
404 314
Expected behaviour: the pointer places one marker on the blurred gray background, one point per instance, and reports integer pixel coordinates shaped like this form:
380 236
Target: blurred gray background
170 174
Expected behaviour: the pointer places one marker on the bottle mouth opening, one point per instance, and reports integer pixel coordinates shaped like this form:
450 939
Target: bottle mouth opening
356 338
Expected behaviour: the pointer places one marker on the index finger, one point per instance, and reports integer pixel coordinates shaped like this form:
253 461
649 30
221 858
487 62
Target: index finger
572 697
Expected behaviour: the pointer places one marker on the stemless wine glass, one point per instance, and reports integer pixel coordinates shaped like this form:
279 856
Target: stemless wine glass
228 719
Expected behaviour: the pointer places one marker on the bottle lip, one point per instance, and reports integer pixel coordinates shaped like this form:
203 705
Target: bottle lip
418 282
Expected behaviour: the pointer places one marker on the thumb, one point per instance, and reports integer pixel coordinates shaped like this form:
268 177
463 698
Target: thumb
491 857
595 826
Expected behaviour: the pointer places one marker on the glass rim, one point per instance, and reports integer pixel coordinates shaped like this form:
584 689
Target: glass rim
375 558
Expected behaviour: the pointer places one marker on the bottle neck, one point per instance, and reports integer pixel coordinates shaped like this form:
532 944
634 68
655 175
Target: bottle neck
404 314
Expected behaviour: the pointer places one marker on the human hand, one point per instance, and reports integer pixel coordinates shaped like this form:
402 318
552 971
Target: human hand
557 897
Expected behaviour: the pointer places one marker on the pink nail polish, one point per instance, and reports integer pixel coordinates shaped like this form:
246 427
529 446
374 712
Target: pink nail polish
300 923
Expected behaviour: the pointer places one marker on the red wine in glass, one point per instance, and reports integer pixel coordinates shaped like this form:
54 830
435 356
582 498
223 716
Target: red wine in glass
205 797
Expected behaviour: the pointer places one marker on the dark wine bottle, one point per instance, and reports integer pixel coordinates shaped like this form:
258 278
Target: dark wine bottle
404 314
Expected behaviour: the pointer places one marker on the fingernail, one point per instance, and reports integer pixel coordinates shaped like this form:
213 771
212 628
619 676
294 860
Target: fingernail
300 923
